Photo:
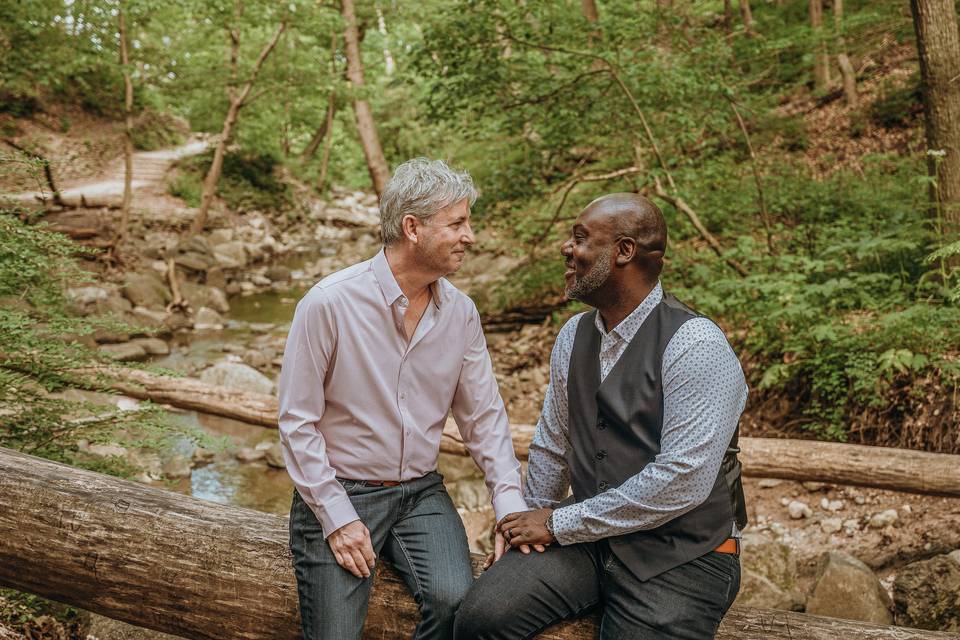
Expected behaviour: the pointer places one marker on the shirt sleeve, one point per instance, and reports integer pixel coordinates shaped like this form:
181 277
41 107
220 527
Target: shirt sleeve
548 476
311 344
482 419
704 393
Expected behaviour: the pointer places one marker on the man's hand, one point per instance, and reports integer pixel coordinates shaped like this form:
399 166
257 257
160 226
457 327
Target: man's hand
527 528
352 548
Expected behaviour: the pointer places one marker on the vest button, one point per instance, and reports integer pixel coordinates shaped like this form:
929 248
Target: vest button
601 454
603 486
601 425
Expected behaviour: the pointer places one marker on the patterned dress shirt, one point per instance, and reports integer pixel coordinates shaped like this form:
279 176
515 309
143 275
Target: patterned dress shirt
704 393
360 401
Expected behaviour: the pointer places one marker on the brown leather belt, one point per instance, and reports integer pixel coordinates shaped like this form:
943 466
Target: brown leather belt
730 545
373 483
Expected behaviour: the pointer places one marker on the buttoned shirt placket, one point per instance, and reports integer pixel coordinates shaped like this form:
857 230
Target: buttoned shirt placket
427 322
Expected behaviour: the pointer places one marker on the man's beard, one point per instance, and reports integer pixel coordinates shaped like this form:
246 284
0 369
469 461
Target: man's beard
583 287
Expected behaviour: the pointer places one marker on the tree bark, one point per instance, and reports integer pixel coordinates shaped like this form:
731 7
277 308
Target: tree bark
366 127
201 570
122 230
847 73
821 62
935 23
879 467
589 9
311 149
746 16
237 102
327 146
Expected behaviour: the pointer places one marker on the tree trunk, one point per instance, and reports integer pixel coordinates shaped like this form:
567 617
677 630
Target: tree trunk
821 61
121 233
366 127
201 570
589 9
327 146
935 22
843 61
237 101
880 467
746 16
311 149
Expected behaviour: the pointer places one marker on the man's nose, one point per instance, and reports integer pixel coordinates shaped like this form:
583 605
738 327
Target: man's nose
566 249
468 237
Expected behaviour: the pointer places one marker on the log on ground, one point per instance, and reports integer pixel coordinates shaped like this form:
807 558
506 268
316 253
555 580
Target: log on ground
196 569
804 460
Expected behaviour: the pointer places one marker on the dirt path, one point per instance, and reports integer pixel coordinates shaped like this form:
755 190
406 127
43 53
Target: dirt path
149 171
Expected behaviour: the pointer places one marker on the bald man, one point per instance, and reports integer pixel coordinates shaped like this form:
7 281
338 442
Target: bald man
640 422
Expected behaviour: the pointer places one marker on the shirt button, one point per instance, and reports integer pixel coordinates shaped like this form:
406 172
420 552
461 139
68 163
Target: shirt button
601 454
403 396
603 486
601 425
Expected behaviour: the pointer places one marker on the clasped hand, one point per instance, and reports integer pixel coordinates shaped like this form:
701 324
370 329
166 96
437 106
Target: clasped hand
522 530
353 549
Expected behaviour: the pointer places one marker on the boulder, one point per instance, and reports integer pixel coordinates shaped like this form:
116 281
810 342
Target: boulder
768 577
148 317
193 261
124 352
799 510
884 519
207 319
220 236
274 457
217 299
153 346
146 290
177 467
249 454
83 298
277 273
846 588
231 255
236 375
927 593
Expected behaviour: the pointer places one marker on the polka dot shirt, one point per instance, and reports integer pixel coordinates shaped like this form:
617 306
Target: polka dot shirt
704 393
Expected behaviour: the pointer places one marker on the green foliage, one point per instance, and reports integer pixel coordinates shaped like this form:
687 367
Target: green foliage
899 104
248 181
33 616
154 130
43 357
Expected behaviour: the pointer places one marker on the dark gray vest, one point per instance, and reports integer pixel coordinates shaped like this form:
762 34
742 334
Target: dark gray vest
615 432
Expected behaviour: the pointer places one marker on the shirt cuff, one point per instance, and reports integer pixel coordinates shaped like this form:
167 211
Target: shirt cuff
568 525
510 501
334 514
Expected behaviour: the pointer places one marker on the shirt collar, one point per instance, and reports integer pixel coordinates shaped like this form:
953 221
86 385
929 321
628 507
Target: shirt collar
629 326
388 283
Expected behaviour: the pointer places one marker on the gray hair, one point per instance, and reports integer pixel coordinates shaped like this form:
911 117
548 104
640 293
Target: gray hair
421 188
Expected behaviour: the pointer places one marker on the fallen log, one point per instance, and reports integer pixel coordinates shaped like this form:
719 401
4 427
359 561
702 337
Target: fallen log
805 460
201 570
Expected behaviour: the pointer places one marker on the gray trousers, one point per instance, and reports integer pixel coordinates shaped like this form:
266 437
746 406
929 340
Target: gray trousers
521 595
415 527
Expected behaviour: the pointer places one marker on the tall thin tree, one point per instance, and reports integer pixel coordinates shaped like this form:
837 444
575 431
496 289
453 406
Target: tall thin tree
239 97
843 61
123 228
938 42
366 126
821 61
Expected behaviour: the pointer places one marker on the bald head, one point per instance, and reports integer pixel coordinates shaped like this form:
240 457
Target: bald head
632 217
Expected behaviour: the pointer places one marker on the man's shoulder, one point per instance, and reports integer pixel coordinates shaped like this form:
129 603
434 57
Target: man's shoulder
457 299
699 329
337 286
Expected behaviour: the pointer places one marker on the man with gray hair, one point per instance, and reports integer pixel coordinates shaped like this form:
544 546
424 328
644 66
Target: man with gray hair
378 355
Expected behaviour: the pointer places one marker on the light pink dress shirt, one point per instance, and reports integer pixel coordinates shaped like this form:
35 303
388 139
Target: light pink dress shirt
357 400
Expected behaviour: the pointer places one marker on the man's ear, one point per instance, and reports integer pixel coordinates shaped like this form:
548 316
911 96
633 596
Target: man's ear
411 228
626 251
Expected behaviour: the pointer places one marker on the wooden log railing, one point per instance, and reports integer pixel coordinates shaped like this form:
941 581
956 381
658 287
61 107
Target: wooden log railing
176 564
878 467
